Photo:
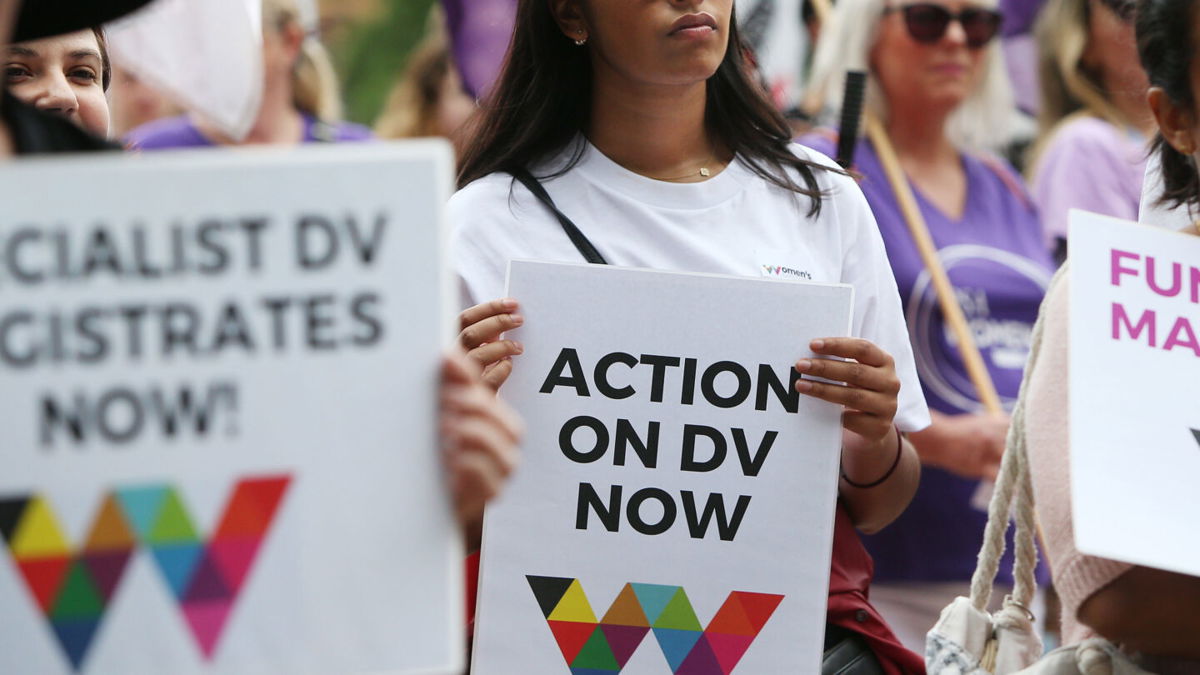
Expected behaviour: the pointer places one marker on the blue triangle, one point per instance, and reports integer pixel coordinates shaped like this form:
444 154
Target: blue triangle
654 599
178 564
141 506
75 636
676 644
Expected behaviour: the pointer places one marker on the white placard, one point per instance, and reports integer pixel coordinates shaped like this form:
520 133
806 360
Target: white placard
615 548
218 373
1135 422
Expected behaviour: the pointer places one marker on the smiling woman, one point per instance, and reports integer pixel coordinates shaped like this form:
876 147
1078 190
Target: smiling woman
67 75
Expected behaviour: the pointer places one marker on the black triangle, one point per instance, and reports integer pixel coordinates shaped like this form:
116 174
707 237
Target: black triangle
10 515
548 591
1196 434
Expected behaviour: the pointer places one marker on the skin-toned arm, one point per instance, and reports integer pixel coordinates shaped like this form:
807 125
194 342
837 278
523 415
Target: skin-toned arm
870 396
1149 611
874 508
970 445
480 435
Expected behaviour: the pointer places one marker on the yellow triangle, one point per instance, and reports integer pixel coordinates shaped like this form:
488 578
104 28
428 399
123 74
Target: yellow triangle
38 534
573 606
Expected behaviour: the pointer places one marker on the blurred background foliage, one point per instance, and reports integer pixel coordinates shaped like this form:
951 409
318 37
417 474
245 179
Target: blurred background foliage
371 41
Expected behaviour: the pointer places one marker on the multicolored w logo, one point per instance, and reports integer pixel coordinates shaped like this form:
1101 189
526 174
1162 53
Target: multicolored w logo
602 647
73 587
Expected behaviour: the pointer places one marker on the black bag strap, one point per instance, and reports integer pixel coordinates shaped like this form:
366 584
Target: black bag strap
582 244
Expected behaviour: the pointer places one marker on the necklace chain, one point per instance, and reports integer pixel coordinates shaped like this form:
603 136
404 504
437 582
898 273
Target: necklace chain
704 172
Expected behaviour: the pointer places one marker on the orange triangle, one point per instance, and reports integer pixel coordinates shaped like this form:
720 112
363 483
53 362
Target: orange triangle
571 636
758 607
731 619
111 531
626 610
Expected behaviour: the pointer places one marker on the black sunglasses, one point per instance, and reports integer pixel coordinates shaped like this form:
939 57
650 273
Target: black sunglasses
927 22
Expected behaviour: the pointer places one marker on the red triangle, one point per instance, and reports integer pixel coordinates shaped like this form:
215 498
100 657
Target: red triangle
731 619
728 649
758 607
234 556
252 506
624 640
571 636
44 577
106 569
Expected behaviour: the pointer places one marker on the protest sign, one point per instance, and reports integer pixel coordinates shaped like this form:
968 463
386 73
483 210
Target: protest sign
673 512
218 376
1134 422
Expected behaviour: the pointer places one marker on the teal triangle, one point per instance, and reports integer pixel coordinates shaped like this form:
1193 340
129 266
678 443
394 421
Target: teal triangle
676 644
141 506
178 564
653 598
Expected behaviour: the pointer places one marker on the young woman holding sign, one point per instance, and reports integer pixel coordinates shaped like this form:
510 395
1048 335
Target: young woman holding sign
641 123
1147 611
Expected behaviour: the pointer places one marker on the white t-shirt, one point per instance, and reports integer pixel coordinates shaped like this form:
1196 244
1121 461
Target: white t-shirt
734 223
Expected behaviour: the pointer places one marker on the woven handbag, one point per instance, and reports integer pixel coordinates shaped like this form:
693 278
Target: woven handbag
966 639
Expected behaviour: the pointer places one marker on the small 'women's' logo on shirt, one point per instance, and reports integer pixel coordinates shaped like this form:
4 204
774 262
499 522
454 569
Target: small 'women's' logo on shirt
781 271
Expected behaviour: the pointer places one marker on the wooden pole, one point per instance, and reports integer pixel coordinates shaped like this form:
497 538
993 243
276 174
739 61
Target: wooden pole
919 229
951 311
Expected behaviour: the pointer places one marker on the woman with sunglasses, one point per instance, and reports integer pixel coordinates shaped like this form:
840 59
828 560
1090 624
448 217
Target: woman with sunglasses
1094 122
641 122
937 83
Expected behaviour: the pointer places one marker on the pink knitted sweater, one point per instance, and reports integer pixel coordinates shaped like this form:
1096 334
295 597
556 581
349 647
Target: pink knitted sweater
1076 576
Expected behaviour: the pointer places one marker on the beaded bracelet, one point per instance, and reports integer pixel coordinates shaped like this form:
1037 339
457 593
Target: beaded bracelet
891 470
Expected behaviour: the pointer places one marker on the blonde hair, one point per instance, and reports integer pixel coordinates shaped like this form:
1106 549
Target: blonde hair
1062 33
315 87
412 107
981 123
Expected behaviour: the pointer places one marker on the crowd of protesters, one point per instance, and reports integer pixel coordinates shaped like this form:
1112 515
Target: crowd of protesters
655 110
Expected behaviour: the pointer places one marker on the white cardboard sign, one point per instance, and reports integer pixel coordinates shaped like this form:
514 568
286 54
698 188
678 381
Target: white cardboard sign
673 512
1135 423
218 381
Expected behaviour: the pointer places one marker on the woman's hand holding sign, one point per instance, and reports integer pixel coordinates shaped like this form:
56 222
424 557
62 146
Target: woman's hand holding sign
480 435
880 469
480 329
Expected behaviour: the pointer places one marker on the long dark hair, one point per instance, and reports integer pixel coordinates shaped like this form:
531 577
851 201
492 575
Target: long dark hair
1166 48
543 100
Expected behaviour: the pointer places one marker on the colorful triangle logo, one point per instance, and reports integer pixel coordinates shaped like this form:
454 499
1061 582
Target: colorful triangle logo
591 647
73 588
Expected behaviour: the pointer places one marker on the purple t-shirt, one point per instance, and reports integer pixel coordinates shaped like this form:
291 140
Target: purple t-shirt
181 132
480 31
995 258
1089 164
